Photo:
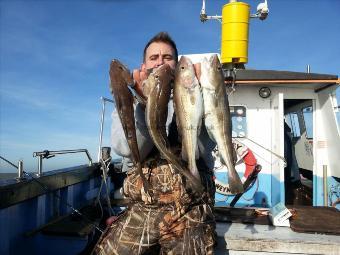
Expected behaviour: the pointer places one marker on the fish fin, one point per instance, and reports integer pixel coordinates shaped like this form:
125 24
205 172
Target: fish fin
180 135
184 154
234 156
215 100
197 153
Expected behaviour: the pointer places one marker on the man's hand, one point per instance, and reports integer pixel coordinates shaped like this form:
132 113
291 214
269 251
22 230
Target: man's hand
138 77
197 68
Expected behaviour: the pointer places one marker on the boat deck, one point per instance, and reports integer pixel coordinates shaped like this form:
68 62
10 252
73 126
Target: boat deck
238 238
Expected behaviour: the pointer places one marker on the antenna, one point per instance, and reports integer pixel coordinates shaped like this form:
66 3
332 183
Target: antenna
203 8
204 17
235 29
262 11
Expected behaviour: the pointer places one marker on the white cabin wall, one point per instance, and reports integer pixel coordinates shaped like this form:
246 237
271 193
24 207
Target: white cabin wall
327 143
265 127
260 130
258 123
278 194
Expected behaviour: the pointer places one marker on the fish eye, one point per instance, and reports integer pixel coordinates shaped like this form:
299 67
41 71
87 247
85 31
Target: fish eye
182 67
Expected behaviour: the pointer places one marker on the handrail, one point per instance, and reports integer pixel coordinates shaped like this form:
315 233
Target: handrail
49 154
9 162
20 166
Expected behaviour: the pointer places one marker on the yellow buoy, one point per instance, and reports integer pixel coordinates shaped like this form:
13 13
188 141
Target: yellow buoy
235 27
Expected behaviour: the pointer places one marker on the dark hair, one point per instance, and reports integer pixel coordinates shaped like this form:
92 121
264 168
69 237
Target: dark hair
162 37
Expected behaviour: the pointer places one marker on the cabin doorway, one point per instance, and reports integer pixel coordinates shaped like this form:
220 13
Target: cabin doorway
298 151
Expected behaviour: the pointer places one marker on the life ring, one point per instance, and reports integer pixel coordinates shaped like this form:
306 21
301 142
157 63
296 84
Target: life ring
247 157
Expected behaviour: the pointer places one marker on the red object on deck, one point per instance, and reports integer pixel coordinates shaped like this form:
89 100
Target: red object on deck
250 162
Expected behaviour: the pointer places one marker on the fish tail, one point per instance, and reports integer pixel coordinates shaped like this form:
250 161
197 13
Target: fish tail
145 183
193 168
194 182
235 183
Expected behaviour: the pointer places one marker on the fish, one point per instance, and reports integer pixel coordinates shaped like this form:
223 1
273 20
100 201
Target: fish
120 78
217 116
188 104
156 113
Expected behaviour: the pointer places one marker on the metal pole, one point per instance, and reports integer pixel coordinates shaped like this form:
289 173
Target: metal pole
49 154
89 157
20 169
308 68
40 159
101 130
104 99
325 186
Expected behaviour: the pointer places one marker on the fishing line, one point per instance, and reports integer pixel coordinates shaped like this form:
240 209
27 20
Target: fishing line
275 154
65 203
98 200
57 196
105 168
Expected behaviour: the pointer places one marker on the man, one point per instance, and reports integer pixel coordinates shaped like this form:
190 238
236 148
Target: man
177 221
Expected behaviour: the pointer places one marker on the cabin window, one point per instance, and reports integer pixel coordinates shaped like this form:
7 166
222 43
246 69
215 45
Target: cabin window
238 120
293 122
308 118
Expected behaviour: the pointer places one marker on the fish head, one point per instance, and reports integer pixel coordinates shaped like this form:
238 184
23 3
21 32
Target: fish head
185 73
212 71
162 75
119 73
148 85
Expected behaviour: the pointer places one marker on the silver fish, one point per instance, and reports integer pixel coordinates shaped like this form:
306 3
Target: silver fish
188 103
217 116
156 113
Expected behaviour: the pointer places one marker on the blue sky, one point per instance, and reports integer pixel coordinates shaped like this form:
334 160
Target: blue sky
55 55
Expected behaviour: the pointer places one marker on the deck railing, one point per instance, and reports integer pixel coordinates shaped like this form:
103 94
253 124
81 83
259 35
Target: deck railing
46 154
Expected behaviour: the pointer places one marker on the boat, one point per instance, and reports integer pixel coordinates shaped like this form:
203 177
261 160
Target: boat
276 115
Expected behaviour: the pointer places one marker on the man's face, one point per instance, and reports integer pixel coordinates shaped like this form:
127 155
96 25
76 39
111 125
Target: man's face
157 54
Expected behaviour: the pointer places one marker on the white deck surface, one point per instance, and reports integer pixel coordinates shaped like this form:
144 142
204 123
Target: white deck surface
263 239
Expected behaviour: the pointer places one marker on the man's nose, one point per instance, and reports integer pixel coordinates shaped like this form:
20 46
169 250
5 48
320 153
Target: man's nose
160 61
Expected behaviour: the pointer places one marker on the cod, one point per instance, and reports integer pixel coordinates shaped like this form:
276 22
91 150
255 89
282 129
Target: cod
217 116
156 113
188 103
120 78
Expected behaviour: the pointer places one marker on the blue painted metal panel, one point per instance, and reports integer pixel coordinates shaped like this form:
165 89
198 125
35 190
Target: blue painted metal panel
318 190
259 194
333 192
21 218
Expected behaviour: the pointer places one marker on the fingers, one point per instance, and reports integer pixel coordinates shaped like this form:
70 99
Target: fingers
143 76
197 68
136 75
139 77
